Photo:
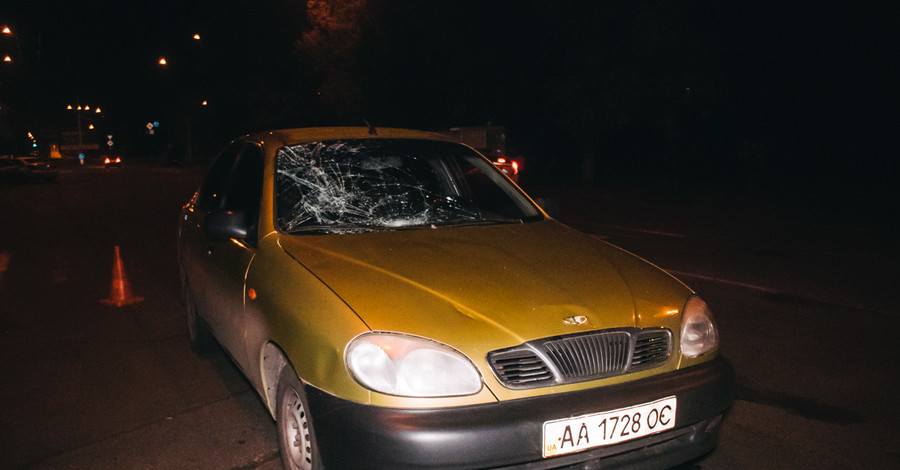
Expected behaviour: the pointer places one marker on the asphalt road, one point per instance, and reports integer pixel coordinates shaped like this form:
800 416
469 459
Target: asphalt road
806 308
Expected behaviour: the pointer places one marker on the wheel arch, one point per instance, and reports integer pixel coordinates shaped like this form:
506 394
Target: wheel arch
273 361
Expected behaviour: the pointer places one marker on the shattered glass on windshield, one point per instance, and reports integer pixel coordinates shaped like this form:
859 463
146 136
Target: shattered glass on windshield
369 184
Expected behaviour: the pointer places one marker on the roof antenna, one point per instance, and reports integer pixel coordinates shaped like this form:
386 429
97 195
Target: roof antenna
372 130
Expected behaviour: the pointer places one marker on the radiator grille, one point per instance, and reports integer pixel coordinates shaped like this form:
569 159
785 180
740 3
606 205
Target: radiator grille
580 357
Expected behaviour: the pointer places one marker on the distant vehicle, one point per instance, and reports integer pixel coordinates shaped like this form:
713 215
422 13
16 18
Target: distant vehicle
490 141
27 169
508 166
112 162
396 302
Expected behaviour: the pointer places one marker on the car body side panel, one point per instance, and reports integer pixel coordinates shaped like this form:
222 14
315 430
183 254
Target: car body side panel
228 267
215 271
294 310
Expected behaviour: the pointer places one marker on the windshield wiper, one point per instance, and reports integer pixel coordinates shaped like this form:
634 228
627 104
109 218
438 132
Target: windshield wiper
335 229
472 222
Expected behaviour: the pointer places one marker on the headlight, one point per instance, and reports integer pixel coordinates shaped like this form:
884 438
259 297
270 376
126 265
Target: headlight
698 329
411 366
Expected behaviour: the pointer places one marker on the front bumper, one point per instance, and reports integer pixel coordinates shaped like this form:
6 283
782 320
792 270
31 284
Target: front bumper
508 434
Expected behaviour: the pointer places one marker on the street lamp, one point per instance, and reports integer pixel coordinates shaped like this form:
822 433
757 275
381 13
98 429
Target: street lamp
31 47
8 32
78 108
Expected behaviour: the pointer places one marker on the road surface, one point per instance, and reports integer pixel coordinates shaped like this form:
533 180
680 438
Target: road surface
807 313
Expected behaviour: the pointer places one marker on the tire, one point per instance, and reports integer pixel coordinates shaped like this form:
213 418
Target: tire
296 438
199 336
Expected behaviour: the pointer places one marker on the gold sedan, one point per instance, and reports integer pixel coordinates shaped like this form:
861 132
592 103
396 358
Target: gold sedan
398 303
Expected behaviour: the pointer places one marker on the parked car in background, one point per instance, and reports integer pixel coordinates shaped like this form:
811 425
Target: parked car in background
397 303
27 169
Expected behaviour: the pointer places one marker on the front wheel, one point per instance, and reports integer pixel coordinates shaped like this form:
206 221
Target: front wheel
295 432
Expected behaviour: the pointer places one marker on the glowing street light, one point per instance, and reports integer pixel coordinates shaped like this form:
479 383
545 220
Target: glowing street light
7 59
197 37
79 108
6 30
162 61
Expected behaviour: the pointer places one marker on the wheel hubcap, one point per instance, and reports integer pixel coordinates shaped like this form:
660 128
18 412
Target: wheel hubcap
296 431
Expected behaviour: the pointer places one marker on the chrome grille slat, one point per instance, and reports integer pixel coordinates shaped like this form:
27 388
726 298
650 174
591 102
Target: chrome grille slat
650 347
580 357
590 355
522 367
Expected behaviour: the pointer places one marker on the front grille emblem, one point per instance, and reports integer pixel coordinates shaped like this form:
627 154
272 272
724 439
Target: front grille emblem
576 320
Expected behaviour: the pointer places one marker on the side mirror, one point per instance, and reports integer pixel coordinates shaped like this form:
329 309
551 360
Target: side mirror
223 225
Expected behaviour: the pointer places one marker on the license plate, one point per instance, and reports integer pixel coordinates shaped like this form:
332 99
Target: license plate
564 436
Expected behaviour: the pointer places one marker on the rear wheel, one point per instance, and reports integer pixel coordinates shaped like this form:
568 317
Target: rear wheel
295 432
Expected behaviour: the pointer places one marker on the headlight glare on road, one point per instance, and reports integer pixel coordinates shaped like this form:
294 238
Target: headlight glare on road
411 366
698 329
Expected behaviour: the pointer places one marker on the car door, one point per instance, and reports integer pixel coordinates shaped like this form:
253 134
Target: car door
195 244
218 283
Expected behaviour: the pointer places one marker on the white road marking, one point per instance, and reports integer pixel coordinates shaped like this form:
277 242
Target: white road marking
723 281
767 290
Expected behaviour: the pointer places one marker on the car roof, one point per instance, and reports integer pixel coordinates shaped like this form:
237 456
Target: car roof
283 137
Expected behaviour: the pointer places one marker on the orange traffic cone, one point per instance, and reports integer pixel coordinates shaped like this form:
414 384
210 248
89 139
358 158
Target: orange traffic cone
120 292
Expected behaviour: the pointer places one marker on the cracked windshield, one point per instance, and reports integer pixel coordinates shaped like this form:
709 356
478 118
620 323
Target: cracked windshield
350 186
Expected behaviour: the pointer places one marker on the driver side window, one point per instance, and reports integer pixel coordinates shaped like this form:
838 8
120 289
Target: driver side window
212 191
245 187
234 183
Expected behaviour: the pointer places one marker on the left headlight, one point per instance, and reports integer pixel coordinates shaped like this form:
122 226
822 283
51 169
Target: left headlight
698 329
412 366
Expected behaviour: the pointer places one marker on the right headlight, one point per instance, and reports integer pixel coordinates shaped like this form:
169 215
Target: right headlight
411 366
698 329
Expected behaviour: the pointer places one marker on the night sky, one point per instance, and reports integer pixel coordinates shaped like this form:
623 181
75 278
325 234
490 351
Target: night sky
751 95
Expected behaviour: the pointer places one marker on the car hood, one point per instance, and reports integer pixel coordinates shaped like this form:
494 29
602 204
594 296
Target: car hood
483 286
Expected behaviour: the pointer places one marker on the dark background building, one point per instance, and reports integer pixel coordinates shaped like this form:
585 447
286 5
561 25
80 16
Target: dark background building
767 99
